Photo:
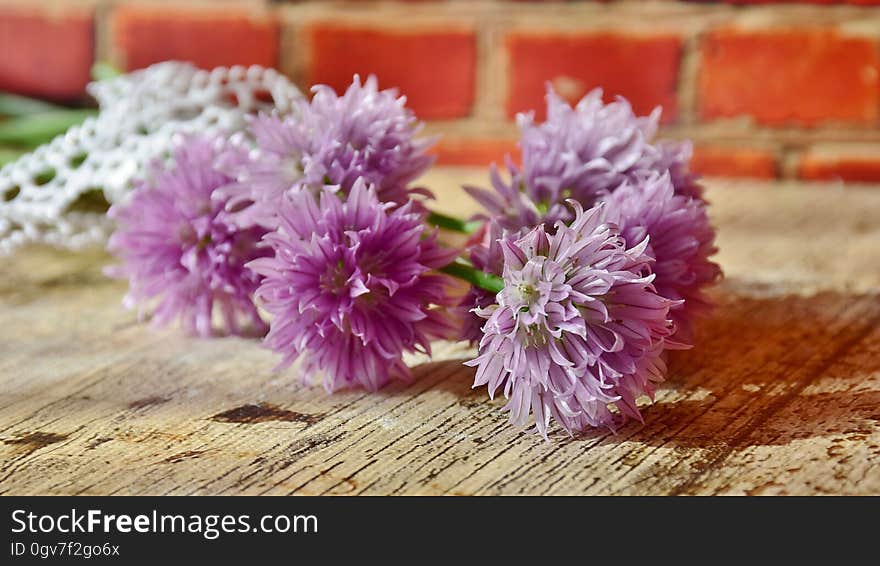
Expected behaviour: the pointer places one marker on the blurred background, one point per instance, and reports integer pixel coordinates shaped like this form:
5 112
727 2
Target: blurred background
767 90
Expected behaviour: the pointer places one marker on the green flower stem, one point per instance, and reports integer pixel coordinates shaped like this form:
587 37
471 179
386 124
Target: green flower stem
102 71
453 224
462 270
33 130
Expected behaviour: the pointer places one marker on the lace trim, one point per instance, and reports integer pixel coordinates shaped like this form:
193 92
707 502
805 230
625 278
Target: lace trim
56 194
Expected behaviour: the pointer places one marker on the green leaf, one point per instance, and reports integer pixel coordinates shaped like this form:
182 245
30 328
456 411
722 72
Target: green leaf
36 129
16 105
8 155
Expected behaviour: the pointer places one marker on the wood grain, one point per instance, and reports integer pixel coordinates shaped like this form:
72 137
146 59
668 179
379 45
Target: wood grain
781 395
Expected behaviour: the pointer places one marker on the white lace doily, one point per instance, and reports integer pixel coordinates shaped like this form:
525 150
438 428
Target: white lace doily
46 196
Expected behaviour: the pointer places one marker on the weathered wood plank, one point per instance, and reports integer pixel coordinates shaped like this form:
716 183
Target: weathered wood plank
780 396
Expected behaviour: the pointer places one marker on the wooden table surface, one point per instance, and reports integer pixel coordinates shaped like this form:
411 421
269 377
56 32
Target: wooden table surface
781 395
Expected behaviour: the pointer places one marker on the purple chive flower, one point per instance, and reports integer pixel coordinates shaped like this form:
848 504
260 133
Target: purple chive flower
681 240
577 329
180 250
352 288
580 153
332 140
675 157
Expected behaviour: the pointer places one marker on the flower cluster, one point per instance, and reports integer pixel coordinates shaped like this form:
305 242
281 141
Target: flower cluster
590 263
642 198
681 240
329 141
581 153
577 328
320 200
180 248
351 286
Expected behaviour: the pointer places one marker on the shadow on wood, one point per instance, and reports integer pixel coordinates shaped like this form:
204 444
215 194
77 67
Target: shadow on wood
770 371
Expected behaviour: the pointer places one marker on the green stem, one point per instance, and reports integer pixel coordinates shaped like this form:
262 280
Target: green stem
453 224
466 272
102 71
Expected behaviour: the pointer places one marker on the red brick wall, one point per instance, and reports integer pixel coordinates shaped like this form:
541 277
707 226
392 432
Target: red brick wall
767 89
34 65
